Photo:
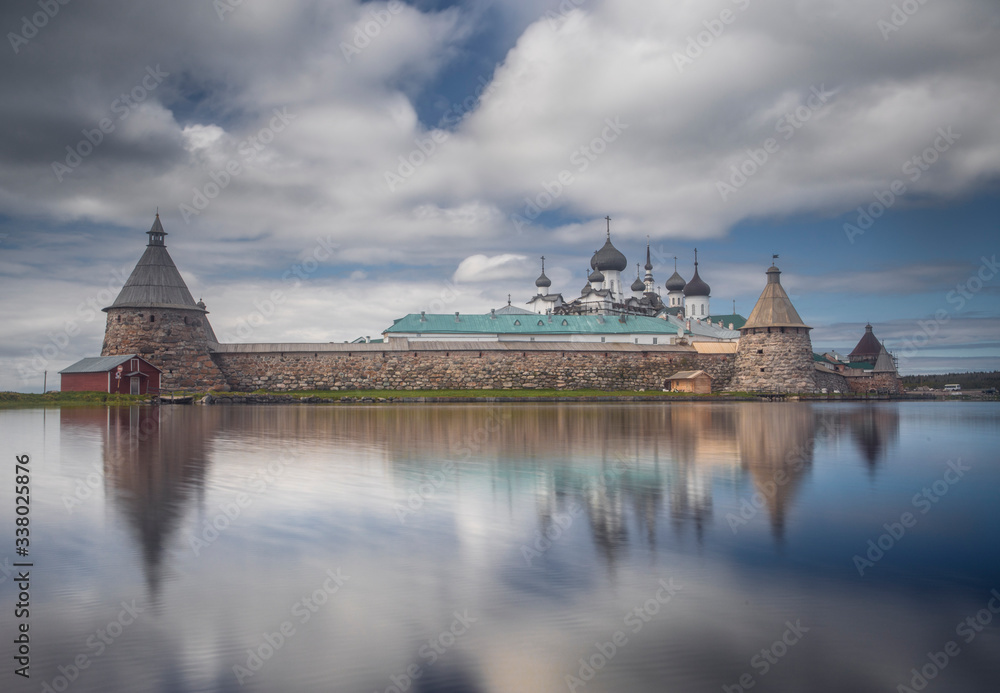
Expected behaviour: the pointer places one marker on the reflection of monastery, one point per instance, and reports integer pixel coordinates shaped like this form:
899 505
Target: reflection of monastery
606 338
639 474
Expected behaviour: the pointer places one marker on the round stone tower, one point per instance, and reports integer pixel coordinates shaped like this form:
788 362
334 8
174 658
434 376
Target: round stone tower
775 352
156 316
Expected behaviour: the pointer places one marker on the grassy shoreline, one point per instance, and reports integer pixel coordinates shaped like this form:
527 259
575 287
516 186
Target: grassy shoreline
9 400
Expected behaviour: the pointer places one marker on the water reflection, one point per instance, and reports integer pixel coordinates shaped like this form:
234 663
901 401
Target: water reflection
647 489
621 465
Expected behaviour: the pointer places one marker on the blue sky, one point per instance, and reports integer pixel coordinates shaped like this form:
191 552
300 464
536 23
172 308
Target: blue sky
405 144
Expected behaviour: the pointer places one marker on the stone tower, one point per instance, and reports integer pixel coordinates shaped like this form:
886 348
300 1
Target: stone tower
775 352
156 316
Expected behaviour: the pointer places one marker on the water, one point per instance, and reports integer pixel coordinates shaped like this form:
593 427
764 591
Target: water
491 548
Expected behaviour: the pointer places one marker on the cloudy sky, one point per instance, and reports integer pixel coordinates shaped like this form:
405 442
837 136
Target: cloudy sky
368 160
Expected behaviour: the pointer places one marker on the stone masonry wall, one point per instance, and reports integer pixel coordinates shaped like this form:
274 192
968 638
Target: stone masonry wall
775 362
883 383
460 370
175 341
832 381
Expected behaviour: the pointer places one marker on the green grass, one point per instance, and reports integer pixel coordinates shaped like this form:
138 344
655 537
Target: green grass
9 400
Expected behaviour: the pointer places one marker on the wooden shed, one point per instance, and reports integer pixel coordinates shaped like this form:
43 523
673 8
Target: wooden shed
124 375
696 382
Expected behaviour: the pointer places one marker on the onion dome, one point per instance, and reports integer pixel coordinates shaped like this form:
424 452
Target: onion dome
609 257
542 280
596 276
676 282
649 262
696 287
638 284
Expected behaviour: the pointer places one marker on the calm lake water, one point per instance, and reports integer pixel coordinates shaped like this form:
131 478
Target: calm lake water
505 548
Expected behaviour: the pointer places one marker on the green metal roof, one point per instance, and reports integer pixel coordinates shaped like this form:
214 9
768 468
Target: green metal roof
529 324
737 320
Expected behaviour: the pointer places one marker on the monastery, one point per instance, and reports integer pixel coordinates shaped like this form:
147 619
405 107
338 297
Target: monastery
606 339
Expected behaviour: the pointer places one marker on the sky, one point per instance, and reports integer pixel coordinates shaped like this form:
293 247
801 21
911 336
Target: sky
322 168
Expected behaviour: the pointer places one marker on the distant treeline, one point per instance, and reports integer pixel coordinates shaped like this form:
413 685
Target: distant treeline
969 381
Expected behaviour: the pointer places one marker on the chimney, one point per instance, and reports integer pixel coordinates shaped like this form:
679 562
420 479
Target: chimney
688 326
730 325
456 317
423 316
493 313
368 339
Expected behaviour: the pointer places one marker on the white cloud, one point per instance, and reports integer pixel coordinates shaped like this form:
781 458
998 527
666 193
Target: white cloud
480 268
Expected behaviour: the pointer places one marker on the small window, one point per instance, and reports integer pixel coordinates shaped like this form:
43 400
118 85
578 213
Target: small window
636 340
602 339
540 323
654 340
761 370
152 318
565 322
760 351
532 339
517 322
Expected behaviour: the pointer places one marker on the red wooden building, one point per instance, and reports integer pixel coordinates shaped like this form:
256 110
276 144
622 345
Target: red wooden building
123 375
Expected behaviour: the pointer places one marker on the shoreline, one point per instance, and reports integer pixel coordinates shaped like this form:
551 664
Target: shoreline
10 400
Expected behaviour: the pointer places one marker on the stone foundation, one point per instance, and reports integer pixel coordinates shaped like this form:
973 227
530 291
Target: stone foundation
775 360
832 382
465 370
175 341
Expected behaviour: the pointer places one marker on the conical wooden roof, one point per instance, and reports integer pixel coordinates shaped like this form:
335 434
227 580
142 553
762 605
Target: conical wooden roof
774 308
155 281
868 347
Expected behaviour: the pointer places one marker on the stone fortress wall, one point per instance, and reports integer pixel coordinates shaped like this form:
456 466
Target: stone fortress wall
463 366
